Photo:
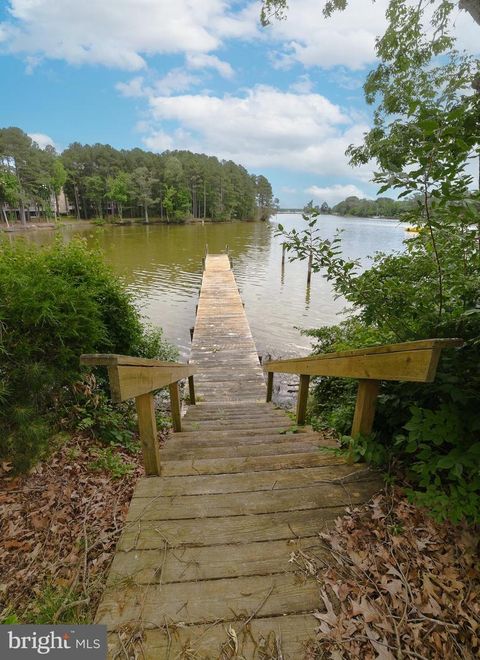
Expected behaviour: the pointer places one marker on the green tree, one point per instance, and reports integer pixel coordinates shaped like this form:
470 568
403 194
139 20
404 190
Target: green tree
264 197
142 183
9 191
17 153
118 189
95 192
59 177
425 129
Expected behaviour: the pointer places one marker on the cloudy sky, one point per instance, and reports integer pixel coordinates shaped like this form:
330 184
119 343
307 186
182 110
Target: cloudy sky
202 75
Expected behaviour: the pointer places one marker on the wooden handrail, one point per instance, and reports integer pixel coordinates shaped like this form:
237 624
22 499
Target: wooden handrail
414 361
137 378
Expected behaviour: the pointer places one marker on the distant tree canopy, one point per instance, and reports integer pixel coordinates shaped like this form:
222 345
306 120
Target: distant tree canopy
27 172
365 208
99 179
173 185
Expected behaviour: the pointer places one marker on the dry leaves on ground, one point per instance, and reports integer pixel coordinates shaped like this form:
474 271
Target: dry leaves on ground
59 525
399 585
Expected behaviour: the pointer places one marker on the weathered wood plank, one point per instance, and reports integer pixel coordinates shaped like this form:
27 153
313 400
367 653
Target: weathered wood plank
147 427
365 407
148 535
180 453
238 443
242 464
211 562
221 326
283 634
239 434
411 361
334 469
387 348
207 601
291 499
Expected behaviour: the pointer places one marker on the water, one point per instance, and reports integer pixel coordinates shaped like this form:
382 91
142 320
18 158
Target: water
162 267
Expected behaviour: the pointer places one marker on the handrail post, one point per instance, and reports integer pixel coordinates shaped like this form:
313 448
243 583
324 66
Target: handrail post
269 386
191 391
147 427
302 399
175 406
365 407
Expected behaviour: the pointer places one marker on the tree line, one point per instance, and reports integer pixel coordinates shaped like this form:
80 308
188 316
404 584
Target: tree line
99 180
384 207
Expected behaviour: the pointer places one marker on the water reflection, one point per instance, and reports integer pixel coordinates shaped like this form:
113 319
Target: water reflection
162 266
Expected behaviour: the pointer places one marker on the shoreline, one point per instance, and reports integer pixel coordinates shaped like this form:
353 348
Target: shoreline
127 222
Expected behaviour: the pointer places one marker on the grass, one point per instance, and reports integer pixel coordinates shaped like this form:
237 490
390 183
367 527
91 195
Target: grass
54 604
107 460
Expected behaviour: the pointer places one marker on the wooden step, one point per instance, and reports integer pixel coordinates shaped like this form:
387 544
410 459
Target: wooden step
227 425
149 535
188 441
268 501
334 470
245 464
285 636
197 451
208 601
243 435
212 562
228 413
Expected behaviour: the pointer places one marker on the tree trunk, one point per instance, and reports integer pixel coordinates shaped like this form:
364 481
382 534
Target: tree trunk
204 200
23 217
57 207
146 213
309 273
77 201
5 217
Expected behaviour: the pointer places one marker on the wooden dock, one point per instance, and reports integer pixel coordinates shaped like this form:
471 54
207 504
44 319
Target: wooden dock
202 568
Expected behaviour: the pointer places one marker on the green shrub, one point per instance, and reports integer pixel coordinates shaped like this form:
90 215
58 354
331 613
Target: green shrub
55 304
429 433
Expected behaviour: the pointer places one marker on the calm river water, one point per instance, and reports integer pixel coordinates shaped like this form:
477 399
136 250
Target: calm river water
162 266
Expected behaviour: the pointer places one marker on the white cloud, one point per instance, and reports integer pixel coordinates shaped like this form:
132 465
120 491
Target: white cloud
120 33
42 140
176 80
467 32
347 38
204 61
133 88
336 193
264 127
303 84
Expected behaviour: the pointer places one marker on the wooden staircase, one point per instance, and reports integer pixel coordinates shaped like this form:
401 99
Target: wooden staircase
203 568
207 565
